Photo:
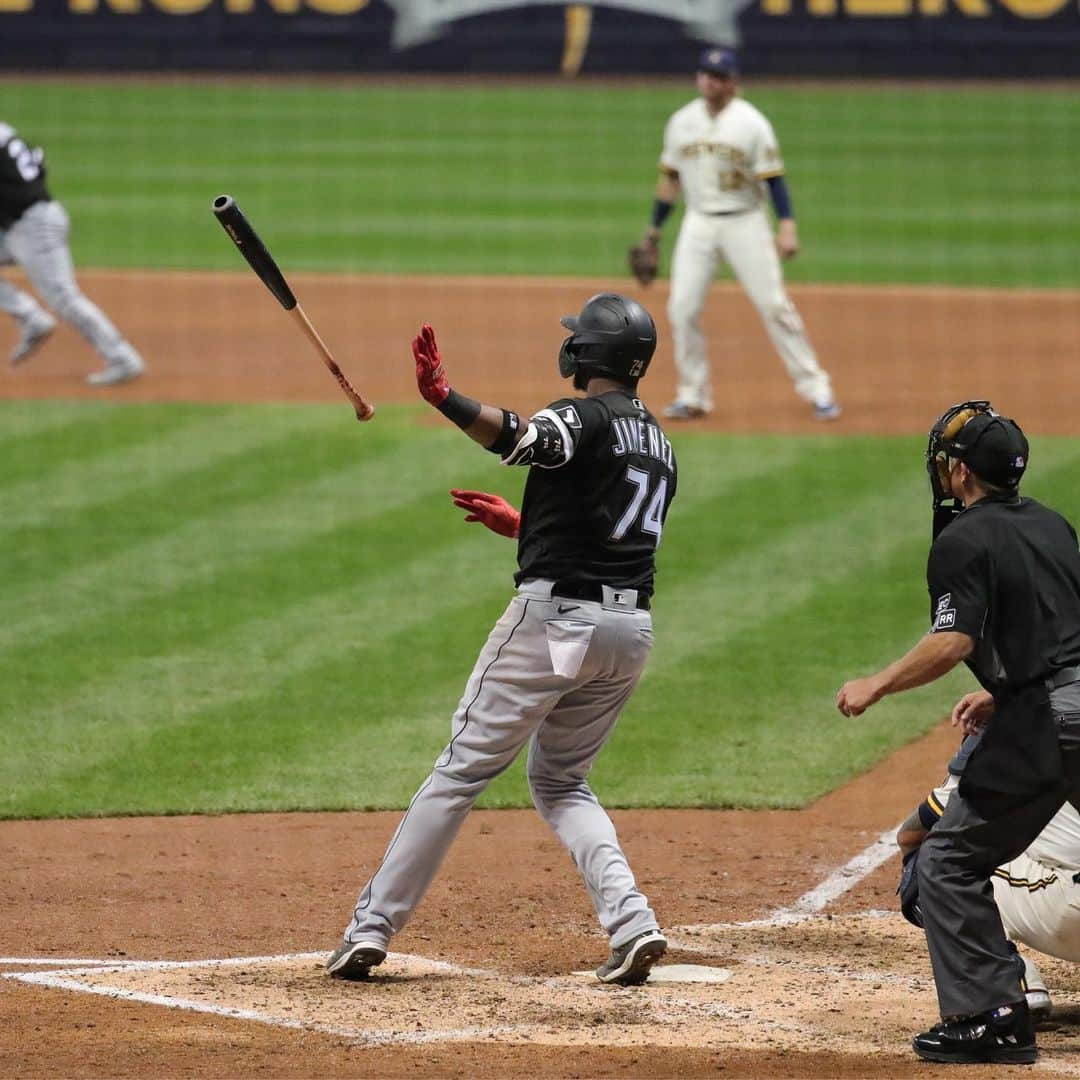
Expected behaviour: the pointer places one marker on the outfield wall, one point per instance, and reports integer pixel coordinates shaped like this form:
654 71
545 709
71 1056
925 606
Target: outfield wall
918 38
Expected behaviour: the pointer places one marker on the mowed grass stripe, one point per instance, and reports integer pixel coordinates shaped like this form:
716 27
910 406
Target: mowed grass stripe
187 552
254 683
134 680
498 159
82 435
21 420
307 649
212 556
65 492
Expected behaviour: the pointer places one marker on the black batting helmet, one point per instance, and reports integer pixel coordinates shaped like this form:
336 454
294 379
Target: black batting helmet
613 336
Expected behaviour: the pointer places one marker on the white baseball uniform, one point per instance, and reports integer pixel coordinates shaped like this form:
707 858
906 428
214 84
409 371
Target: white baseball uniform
723 162
1037 894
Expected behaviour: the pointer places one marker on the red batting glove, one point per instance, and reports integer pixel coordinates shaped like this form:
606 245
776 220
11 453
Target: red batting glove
490 510
430 374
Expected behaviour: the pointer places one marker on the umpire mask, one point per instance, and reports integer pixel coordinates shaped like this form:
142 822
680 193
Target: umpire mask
992 446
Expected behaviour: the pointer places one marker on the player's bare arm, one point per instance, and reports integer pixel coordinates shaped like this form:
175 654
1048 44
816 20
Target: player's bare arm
935 655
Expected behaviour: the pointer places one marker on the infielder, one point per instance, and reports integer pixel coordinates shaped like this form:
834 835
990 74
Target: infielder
567 653
1037 893
34 235
721 153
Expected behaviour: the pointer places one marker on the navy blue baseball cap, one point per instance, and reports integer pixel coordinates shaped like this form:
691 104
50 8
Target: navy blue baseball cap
718 61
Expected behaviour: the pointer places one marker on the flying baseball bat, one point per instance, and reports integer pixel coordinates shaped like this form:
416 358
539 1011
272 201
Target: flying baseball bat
262 262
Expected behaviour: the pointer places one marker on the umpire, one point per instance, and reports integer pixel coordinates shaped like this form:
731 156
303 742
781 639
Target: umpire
1004 580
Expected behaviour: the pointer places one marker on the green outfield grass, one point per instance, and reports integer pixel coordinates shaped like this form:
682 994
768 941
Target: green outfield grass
963 185
213 608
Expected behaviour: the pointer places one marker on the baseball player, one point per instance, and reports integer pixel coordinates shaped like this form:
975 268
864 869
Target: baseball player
721 153
1037 893
567 653
34 235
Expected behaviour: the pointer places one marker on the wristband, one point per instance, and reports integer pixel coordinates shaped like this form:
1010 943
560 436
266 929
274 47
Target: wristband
507 438
460 409
781 198
660 212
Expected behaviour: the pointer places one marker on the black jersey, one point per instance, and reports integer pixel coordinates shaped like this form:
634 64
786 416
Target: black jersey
597 495
1006 572
22 176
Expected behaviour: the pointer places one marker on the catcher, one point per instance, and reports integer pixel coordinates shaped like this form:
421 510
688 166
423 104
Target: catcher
1037 894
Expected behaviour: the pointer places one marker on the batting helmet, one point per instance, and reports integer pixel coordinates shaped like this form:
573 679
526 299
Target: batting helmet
613 336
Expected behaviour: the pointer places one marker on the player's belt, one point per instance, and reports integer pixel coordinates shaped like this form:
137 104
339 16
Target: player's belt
583 590
1062 677
727 213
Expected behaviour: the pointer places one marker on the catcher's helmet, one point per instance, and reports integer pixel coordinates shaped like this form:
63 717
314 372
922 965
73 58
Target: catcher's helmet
613 336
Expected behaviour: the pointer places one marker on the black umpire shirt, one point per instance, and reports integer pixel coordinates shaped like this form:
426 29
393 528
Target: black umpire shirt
1006 572
596 517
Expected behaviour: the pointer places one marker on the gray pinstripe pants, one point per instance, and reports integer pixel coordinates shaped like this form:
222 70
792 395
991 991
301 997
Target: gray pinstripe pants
556 681
38 242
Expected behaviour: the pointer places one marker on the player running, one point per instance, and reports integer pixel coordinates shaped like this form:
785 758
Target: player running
34 236
567 653
721 152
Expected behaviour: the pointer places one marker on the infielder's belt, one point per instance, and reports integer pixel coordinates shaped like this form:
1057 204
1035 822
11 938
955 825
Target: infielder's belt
1062 677
583 590
727 213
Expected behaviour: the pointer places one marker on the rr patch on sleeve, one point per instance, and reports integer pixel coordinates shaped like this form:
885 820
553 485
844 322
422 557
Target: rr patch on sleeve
944 615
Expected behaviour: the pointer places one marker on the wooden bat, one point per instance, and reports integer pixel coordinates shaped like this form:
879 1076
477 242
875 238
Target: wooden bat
260 260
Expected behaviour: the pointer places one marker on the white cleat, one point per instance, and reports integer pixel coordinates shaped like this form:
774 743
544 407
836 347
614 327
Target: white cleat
121 370
34 332
827 410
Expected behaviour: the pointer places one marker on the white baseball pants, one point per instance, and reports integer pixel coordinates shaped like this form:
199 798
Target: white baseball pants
38 242
745 242
554 681
1039 907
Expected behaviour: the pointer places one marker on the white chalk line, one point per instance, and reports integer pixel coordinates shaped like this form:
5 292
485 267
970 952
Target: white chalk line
811 903
67 979
806 906
60 962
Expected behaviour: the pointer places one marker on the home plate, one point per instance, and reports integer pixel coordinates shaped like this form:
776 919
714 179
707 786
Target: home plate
678 973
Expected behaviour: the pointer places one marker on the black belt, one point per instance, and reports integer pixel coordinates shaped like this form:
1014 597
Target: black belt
585 590
1062 677
726 213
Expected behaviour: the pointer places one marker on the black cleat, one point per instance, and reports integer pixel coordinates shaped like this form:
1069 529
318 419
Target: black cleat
1003 1036
353 960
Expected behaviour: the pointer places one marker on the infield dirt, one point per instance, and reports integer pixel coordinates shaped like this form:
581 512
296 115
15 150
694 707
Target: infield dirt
832 997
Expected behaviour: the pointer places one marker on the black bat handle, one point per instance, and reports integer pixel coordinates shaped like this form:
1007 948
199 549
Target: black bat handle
253 249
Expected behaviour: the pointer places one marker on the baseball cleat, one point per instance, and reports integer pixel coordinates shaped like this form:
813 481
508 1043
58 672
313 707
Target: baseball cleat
827 410
679 410
127 367
630 964
35 331
1004 1036
353 960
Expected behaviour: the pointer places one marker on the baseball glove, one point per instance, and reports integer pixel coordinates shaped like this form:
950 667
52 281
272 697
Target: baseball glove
644 260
